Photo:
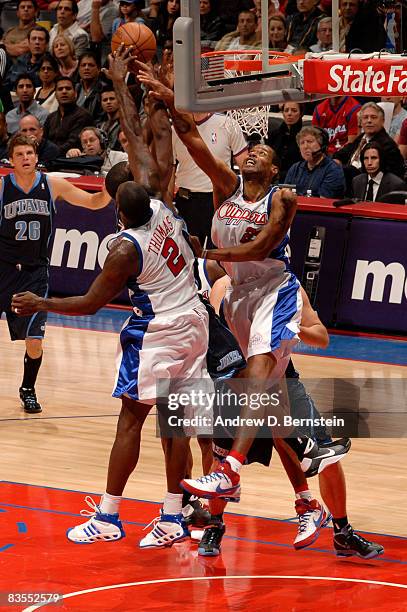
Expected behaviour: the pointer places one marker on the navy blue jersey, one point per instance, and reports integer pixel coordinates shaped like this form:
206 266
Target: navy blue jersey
26 221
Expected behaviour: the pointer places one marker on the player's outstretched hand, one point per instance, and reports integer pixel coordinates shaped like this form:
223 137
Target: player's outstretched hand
157 89
119 63
26 303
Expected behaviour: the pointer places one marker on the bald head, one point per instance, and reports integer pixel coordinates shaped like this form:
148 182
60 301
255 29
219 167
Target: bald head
31 127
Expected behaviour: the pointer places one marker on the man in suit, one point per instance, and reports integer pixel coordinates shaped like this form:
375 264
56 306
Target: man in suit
375 182
372 123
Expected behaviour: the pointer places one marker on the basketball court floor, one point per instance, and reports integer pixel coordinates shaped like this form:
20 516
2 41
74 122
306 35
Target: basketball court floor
52 461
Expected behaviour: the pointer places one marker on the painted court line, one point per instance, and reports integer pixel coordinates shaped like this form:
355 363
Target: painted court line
206 578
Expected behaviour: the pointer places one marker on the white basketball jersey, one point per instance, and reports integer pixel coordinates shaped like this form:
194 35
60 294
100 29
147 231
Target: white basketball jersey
165 280
237 221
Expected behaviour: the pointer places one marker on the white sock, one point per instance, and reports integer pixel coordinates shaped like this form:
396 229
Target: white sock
109 504
172 503
234 464
304 495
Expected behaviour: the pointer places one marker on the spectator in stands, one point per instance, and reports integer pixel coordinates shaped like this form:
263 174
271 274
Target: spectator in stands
324 36
372 123
230 9
245 37
15 39
113 157
129 10
25 91
302 29
67 25
317 175
403 139
273 7
399 114
90 85
48 73
64 125
64 52
283 139
339 117
102 11
111 122
212 26
277 32
375 182
29 63
47 150
93 145
3 135
194 199
161 18
99 19
360 27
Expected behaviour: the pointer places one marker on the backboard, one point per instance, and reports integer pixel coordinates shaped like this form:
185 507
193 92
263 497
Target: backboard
207 81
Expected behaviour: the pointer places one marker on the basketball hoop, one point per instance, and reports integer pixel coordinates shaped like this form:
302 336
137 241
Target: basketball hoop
230 64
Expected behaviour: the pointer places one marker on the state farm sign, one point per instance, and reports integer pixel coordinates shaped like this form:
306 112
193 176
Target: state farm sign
349 76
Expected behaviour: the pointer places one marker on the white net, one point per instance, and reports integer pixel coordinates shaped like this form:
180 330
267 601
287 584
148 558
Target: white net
252 120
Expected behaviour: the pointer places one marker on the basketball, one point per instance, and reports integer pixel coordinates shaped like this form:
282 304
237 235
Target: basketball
138 36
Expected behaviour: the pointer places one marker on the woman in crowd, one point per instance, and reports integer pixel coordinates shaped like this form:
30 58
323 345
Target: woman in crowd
48 72
283 139
130 10
161 18
90 85
64 52
212 26
277 32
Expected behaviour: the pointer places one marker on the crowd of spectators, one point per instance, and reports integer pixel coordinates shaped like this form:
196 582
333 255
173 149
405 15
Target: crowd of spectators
53 60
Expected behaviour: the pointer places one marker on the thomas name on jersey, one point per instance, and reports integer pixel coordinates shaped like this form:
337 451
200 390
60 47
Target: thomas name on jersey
160 234
26 207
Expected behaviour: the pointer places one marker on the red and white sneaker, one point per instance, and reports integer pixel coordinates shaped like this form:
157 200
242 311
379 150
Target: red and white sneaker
223 483
312 516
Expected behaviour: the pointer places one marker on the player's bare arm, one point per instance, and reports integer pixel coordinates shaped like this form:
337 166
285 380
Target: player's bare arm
284 205
120 263
223 178
141 162
312 331
63 189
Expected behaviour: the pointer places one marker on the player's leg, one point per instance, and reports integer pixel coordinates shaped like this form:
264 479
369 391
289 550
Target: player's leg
347 542
30 329
331 481
32 364
312 516
183 370
104 523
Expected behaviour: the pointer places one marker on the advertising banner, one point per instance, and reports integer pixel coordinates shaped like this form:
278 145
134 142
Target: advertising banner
358 75
374 282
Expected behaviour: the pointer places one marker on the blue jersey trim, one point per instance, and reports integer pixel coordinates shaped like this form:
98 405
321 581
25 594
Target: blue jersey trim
38 177
138 249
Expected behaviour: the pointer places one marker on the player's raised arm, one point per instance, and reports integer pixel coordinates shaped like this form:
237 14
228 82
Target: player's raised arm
63 189
141 162
284 205
119 265
223 178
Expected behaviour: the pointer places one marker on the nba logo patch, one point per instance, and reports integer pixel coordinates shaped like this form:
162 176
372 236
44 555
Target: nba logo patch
214 138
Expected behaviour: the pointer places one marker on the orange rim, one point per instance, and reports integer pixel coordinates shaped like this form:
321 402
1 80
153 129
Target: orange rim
251 65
